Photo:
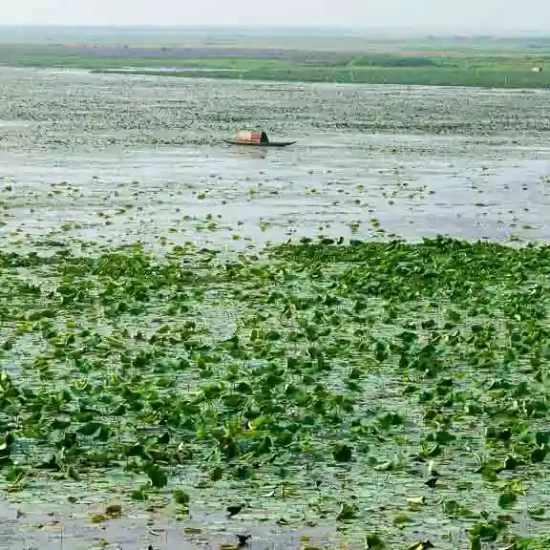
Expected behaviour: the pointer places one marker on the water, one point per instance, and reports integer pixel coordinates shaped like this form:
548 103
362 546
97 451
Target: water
120 158
275 194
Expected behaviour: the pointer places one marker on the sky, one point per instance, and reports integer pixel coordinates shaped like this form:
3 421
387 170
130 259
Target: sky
475 15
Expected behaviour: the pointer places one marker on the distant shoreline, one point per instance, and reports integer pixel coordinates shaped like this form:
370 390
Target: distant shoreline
522 63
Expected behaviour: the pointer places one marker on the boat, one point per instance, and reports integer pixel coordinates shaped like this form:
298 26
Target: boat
256 139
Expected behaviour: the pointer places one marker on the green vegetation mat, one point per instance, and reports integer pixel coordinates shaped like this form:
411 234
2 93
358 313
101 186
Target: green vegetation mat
486 77
399 391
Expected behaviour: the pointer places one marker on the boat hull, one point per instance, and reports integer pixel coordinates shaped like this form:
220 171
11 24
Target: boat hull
256 144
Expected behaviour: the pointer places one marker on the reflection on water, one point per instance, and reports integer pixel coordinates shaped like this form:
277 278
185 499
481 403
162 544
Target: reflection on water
251 152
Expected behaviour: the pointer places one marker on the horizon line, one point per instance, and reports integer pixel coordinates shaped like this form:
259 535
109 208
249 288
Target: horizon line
433 31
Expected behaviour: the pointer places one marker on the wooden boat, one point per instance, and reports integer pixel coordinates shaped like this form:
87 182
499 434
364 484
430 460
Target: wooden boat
252 144
256 139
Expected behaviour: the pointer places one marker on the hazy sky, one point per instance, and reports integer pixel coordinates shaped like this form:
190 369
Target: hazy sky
477 15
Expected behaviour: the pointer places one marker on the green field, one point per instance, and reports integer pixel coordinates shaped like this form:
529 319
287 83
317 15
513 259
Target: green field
484 62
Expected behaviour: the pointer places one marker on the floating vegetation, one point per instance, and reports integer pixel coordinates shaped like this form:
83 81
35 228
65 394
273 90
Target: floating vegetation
389 389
